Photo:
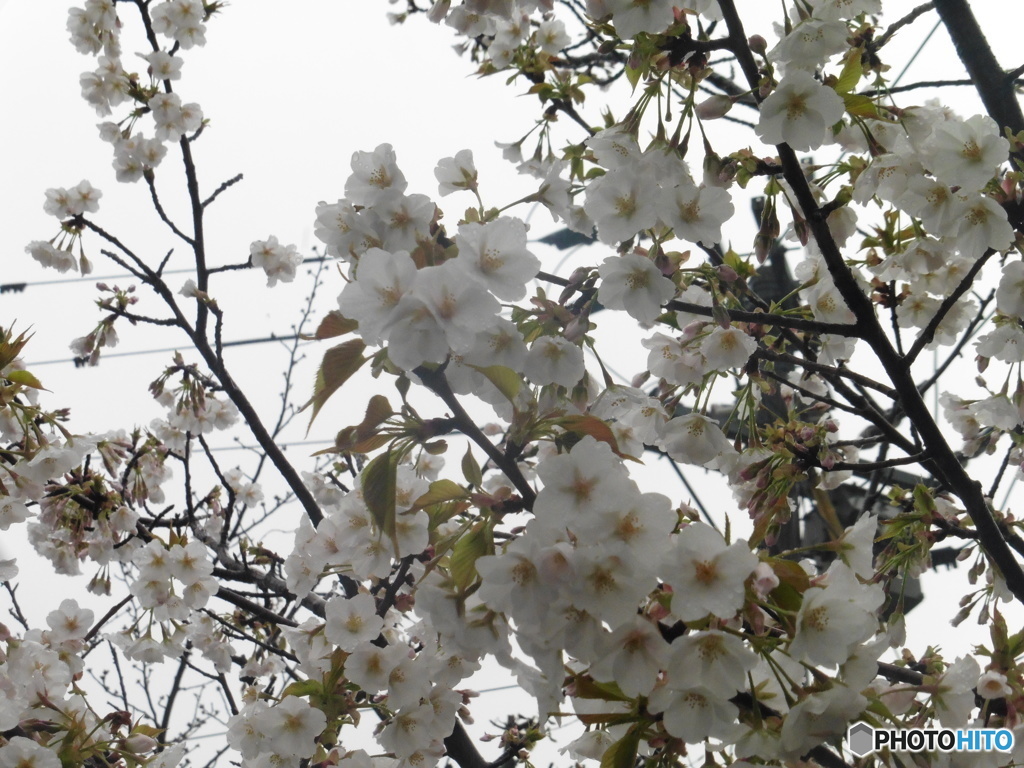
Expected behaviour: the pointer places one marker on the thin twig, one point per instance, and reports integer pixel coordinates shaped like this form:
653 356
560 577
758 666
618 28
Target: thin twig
225 185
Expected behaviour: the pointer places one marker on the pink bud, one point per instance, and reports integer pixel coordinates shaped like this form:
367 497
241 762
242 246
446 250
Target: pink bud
727 273
758 44
714 107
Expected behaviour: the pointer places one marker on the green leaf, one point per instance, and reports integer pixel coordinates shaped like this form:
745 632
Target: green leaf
622 754
852 71
505 379
10 348
303 688
338 365
462 562
440 491
858 105
379 481
471 470
371 443
924 503
26 379
585 687
607 718
633 75
378 410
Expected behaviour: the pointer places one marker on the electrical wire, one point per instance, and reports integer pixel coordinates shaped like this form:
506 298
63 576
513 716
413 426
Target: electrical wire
83 362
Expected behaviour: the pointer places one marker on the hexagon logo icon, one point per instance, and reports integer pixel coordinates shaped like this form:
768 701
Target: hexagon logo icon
860 739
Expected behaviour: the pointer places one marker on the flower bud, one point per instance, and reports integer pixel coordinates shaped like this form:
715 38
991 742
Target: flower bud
758 44
727 273
714 107
139 742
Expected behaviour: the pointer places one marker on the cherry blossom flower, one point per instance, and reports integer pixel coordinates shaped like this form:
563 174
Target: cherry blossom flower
65 203
182 20
713 660
290 727
352 621
706 574
855 546
554 360
983 226
615 148
622 204
496 254
581 482
966 154
459 305
382 279
69 622
552 37
819 717
632 282
455 173
1005 343
954 696
373 175
726 348
347 232
834 619
696 714
694 439
799 112
638 652
20 752
163 65
634 16
674 363
810 45
174 119
1010 293
993 685
48 256
277 261
695 213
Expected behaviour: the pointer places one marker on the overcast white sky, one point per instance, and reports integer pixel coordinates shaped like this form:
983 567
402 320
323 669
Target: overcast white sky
291 89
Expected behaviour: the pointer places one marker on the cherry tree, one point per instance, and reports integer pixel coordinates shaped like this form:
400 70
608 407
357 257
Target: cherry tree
486 505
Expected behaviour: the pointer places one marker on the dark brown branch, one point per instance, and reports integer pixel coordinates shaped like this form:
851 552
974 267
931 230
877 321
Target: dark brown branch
897 25
462 750
175 687
225 185
229 595
150 181
739 315
820 368
562 105
996 91
106 617
826 758
928 333
435 381
866 466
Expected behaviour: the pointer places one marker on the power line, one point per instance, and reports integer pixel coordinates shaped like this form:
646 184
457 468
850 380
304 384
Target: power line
82 362
20 287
